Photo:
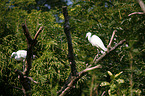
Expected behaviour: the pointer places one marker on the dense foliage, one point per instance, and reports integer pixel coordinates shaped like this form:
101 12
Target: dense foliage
51 67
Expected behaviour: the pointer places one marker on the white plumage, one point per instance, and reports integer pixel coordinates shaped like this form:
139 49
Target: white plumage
19 55
96 41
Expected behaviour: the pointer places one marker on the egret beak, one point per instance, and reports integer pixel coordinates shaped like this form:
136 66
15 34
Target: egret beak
86 36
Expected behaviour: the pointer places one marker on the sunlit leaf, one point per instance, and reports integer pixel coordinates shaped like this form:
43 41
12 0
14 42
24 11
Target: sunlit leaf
104 84
120 81
118 74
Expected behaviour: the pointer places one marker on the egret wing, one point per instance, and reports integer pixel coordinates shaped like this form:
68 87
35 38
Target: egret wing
96 41
22 54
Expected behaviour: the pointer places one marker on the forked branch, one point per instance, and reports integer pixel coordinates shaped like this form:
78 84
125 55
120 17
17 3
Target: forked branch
82 73
23 76
142 5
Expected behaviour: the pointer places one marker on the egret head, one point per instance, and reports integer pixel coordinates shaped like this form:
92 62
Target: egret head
13 54
88 34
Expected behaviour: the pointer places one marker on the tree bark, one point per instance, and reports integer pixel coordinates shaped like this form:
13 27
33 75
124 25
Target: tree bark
70 48
23 76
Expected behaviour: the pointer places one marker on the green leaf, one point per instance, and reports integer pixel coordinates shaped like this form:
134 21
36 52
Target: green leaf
110 74
118 74
120 81
104 84
137 91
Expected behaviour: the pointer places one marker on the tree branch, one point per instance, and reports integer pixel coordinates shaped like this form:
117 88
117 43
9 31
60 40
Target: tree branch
70 48
26 87
73 78
38 32
135 13
113 48
142 5
92 68
30 78
82 73
26 32
28 63
23 76
109 45
36 35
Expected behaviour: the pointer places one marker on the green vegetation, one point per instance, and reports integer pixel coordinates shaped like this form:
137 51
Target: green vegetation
51 67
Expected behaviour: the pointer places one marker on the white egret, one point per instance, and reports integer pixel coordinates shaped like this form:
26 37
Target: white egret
96 41
20 55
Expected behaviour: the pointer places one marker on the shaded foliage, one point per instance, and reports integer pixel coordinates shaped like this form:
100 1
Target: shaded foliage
51 66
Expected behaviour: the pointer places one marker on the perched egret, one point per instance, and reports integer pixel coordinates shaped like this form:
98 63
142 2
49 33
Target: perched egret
96 41
20 55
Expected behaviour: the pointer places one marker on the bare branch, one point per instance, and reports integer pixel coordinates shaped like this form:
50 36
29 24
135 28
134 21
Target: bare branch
25 83
32 80
92 68
75 79
26 32
103 93
95 57
135 13
17 88
29 50
102 56
109 45
82 73
30 43
113 48
36 35
23 76
142 5
117 45
28 63
38 32
70 48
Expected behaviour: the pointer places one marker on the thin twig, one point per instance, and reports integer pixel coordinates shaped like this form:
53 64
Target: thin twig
109 45
32 80
103 93
95 58
113 48
23 76
92 68
135 13
17 88
142 5
82 73
38 32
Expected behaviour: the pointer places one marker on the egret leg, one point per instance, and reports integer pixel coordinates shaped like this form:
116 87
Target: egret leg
23 65
102 52
96 55
95 58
